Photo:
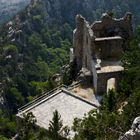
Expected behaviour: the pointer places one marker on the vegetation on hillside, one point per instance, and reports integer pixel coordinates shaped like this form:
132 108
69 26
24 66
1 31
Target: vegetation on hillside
28 63
30 58
117 111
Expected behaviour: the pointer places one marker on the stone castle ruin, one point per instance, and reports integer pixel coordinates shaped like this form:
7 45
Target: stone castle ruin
96 59
97 49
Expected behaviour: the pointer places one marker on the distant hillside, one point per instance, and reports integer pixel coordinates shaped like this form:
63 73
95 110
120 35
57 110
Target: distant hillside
61 11
8 8
64 11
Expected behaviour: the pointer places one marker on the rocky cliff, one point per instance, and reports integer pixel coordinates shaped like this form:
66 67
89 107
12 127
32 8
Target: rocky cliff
134 132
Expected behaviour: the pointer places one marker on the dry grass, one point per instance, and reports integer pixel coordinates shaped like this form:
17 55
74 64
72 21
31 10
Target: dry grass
85 93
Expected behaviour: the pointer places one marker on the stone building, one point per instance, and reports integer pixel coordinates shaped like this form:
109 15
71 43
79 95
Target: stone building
98 48
69 105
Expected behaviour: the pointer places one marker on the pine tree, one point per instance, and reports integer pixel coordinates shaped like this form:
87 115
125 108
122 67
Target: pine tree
55 126
27 126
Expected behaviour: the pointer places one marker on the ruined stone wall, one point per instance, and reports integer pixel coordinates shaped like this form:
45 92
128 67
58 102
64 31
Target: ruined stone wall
109 48
104 77
109 26
84 47
78 41
87 46
104 40
83 39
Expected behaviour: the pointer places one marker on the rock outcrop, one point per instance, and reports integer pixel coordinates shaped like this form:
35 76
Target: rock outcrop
134 132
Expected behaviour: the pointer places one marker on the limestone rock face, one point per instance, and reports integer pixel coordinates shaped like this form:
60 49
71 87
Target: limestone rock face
134 132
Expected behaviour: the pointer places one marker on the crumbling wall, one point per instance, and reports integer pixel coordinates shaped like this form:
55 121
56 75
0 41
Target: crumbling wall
78 41
83 39
84 47
109 48
104 40
109 26
87 46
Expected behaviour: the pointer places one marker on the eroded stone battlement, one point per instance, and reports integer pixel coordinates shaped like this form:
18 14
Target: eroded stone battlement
109 26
